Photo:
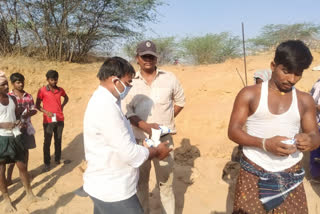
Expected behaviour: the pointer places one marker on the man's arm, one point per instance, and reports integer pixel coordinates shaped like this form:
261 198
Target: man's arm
177 110
239 116
240 113
146 127
65 101
39 107
309 139
178 97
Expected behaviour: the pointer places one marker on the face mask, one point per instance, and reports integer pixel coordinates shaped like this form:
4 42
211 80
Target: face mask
126 90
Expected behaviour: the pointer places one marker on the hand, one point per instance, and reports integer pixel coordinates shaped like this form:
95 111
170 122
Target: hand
49 114
8 125
163 150
276 147
304 142
20 110
152 126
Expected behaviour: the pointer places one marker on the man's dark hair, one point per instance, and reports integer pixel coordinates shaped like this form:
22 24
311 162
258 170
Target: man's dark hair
16 77
294 55
52 74
115 66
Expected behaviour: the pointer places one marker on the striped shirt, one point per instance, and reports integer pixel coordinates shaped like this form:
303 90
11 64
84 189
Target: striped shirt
26 102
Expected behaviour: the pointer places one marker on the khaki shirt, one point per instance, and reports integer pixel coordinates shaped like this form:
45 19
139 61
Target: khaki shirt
154 103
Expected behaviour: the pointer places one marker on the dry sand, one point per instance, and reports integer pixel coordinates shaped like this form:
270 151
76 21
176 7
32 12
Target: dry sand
202 147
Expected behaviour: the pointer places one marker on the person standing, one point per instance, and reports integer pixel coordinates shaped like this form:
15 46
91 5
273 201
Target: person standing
156 99
315 154
12 149
274 112
53 118
26 104
112 154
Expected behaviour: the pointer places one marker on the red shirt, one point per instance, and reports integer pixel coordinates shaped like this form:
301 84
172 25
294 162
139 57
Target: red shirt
51 102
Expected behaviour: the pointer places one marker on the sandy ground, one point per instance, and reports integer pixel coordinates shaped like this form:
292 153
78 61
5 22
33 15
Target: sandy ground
202 147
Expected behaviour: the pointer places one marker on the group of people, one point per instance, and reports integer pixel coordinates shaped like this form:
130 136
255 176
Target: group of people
272 121
17 132
122 113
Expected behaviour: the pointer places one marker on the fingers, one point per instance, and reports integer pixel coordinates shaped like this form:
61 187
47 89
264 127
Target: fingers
145 144
286 151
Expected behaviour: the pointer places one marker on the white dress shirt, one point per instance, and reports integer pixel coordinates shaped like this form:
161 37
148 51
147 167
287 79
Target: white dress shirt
113 157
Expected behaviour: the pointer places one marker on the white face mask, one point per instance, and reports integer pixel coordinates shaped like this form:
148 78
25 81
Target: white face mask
126 90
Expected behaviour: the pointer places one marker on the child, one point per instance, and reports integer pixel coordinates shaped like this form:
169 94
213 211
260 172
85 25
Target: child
53 119
26 105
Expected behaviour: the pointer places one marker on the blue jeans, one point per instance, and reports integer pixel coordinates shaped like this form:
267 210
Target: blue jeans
130 206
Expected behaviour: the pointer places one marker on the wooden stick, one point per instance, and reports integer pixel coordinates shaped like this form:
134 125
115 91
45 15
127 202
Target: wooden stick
244 85
244 55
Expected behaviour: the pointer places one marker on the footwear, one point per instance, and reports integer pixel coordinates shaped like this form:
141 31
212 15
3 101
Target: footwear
57 162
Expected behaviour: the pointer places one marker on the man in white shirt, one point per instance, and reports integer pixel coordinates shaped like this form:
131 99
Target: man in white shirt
113 157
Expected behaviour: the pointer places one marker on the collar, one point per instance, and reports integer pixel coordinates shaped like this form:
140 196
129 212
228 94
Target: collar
24 94
48 89
108 94
139 76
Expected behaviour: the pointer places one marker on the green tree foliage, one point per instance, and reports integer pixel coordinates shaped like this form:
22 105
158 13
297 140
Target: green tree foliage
69 29
167 49
272 35
211 48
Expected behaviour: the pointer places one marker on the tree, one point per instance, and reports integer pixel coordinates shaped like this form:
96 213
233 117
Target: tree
272 35
211 48
69 29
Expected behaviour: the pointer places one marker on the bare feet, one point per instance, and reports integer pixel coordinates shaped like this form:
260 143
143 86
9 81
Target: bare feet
8 208
32 199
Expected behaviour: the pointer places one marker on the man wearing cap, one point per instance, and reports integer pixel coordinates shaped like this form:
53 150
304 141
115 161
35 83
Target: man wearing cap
156 99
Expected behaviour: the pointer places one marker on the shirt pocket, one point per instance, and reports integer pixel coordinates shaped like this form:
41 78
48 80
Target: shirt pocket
162 95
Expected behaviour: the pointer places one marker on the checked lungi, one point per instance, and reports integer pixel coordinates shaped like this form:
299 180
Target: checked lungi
247 199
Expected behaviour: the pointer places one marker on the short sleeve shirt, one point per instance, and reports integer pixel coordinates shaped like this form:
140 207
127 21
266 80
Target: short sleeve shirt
51 102
26 102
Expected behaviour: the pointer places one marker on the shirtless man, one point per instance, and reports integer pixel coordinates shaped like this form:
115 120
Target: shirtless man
273 113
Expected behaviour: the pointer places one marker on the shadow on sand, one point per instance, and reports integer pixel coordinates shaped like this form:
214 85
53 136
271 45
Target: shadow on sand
184 157
51 178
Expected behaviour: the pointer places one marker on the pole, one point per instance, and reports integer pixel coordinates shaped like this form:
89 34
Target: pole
244 55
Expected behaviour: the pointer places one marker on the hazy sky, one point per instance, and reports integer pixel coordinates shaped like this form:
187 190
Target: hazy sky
198 17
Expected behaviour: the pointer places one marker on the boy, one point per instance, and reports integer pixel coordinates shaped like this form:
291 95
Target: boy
26 104
11 146
274 112
53 119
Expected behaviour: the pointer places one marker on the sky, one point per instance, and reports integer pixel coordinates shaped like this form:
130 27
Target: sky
182 18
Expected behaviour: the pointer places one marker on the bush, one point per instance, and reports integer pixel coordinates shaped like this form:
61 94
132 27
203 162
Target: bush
211 48
272 35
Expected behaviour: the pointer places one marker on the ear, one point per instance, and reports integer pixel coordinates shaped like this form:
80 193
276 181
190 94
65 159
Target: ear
273 66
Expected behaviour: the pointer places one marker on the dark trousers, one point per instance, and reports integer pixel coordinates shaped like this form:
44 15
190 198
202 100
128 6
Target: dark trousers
128 206
49 129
